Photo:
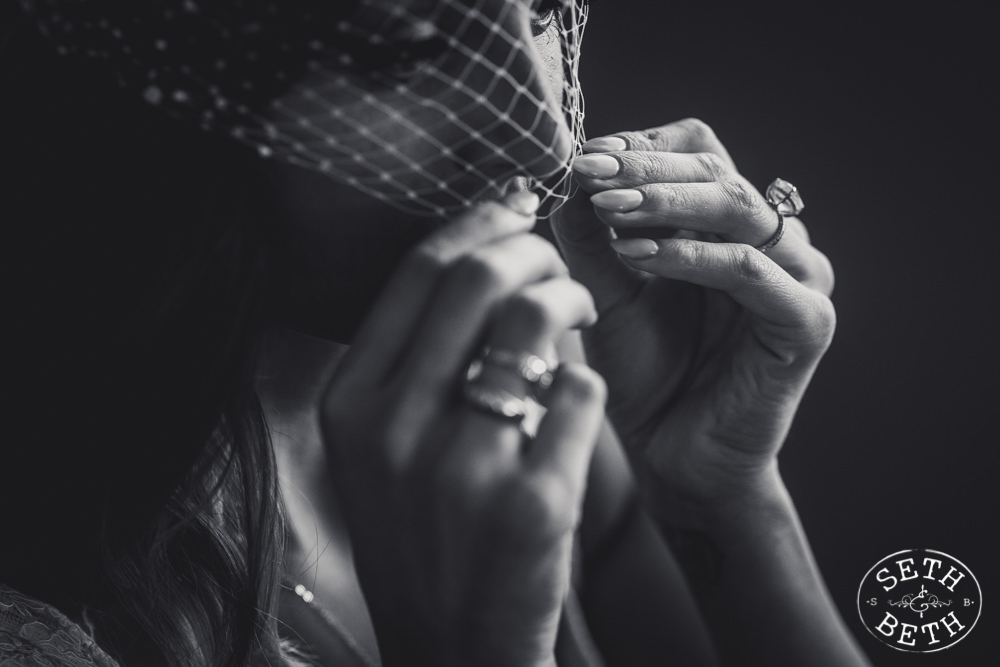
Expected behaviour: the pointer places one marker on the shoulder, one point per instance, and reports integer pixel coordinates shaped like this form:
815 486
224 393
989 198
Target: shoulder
32 632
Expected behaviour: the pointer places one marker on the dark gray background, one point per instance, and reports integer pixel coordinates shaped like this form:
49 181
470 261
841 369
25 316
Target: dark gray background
885 118
886 121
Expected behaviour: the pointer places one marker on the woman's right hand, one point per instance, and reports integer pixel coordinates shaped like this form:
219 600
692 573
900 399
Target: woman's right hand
462 533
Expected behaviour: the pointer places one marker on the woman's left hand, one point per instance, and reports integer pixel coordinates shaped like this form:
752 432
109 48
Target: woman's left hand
707 344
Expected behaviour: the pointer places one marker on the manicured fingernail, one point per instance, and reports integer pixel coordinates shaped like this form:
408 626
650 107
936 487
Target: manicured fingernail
524 202
596 166
604 145
635 248
618 200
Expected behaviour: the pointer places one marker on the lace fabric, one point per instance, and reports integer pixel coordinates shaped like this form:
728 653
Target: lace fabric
33 633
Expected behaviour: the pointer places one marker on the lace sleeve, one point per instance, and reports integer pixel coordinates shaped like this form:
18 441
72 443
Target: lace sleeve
34 633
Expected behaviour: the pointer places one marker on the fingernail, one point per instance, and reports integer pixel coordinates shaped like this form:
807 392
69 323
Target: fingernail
596 166
635 248
524 202
618 200
604 145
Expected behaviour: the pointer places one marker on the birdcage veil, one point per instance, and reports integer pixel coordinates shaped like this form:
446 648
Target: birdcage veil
428 105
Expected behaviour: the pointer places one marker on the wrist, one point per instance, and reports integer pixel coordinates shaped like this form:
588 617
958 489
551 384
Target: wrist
725 496
716 538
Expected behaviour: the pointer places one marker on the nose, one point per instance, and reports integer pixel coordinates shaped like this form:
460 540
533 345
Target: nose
518 125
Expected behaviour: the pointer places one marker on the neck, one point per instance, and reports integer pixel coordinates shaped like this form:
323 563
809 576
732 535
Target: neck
294 371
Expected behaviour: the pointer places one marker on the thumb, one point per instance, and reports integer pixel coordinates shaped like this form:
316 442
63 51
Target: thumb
584 241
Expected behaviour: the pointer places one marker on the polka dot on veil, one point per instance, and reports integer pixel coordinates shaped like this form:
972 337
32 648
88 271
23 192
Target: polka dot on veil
233 68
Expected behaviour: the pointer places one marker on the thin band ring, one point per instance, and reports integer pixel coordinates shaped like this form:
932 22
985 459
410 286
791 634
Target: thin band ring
778 233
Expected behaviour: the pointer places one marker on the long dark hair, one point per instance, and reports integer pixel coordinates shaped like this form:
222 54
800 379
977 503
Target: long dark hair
141 489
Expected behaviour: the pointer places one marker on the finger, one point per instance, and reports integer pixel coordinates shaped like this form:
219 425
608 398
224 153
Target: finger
402 302
797 227
533 318
561 452
551 473
584 241
796 255
453 323
802 261
794 312
527 324
684 136
530 322
608 171
733 210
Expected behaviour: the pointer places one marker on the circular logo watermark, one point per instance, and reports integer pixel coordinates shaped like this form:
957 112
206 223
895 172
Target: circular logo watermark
919 600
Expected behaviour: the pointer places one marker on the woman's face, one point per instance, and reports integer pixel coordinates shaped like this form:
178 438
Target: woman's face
344 242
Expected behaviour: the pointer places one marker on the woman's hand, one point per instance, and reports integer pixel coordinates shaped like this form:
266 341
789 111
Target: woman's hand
461 531
706 343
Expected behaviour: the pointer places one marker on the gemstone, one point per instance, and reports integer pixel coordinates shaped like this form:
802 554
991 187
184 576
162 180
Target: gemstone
784 197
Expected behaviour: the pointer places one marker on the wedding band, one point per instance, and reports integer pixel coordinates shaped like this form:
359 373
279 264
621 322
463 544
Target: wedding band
497 402
530 367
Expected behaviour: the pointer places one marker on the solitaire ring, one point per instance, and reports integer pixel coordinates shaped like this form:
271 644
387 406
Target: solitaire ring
785 199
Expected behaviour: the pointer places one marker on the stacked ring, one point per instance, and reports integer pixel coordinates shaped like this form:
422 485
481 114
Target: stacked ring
527 413
497 402
534 371
532 368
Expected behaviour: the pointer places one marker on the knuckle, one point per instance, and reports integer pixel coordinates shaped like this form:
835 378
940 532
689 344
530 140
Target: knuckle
652 136
816 324
584 298
426 258
550 253
494 214
690 254
827 276
713 165
743 199
545 498
698 131
640 164
823 320
529 310
676 196
750 264
582 384
480 270
660 138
